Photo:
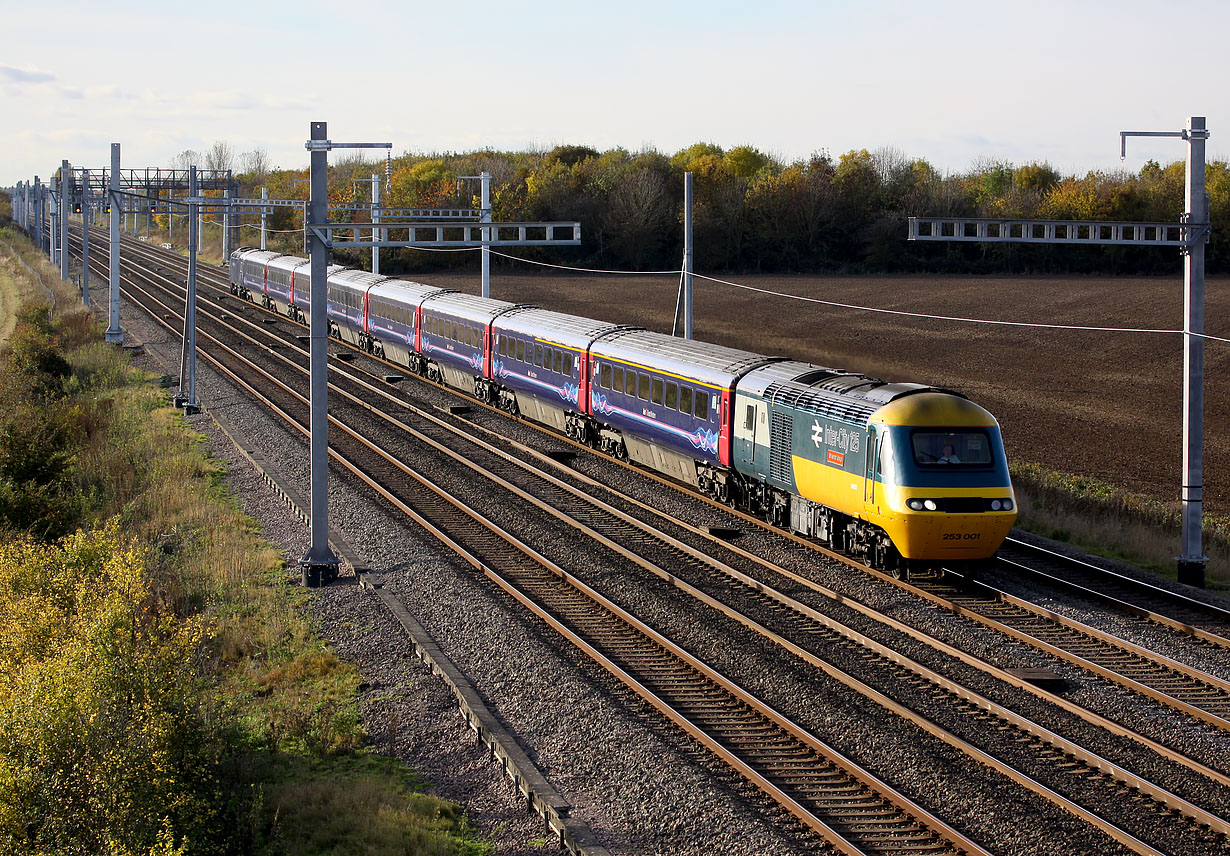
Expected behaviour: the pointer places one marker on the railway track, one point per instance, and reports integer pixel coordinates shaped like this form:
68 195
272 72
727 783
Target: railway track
1172 610
1088 768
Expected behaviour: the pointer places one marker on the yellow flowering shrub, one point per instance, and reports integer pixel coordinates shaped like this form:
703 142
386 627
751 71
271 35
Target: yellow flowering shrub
102 745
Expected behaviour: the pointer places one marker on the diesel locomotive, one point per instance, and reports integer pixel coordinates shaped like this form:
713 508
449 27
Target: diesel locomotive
903 475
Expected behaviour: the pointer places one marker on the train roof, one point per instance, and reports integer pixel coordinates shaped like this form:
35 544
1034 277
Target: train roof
701 361
468 307
837 394
360 280
759 379
571 331
405 291
291 262
934 407
250 254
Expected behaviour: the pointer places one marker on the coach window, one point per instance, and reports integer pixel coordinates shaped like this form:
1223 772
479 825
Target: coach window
604 376
521 350
656 395
617 382
672 395
630 382
538 355
568 363
642 387
749 419
702 405
559 362
685 399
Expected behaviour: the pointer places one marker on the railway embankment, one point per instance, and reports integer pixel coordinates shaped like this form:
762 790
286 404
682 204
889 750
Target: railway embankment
163 690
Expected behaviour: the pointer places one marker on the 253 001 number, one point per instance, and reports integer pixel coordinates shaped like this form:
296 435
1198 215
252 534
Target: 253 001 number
958 536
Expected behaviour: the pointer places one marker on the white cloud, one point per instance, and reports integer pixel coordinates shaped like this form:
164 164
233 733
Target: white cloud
21 75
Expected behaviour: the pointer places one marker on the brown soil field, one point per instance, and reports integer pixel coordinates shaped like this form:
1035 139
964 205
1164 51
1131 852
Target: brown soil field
1100 404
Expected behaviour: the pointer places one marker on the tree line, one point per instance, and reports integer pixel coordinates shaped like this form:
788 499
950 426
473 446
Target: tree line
757 213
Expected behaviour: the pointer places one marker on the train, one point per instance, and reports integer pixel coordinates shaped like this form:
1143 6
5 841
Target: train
906 477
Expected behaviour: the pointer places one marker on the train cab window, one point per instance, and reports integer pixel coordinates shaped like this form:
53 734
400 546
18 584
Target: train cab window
656 391
702 405
604 376
672 395
685 399
559 362
642 387
967 448
568 364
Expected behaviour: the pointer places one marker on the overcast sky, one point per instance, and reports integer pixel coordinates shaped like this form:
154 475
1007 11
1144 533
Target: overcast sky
952 82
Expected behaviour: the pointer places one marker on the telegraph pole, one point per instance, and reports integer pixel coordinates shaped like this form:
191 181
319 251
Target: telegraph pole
484 216
376 233
114 335
1191 562
320 564
688 251
85 237
264 215
186 398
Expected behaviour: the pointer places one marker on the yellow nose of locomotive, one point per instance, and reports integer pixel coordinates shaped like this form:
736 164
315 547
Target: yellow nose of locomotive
942 490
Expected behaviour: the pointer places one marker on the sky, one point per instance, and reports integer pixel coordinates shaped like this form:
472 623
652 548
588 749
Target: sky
956 83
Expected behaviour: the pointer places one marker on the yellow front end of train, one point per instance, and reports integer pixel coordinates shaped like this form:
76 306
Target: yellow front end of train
934 485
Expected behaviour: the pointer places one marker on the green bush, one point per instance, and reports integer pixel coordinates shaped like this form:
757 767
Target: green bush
104 745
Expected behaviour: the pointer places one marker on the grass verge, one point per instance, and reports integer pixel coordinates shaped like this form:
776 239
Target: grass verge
1103 519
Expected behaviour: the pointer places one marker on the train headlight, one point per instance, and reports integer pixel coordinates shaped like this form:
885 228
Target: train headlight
914 504
996 505
929 504
1007 505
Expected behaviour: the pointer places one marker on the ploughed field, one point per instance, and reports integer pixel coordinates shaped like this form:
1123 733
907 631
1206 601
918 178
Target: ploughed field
1091 403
